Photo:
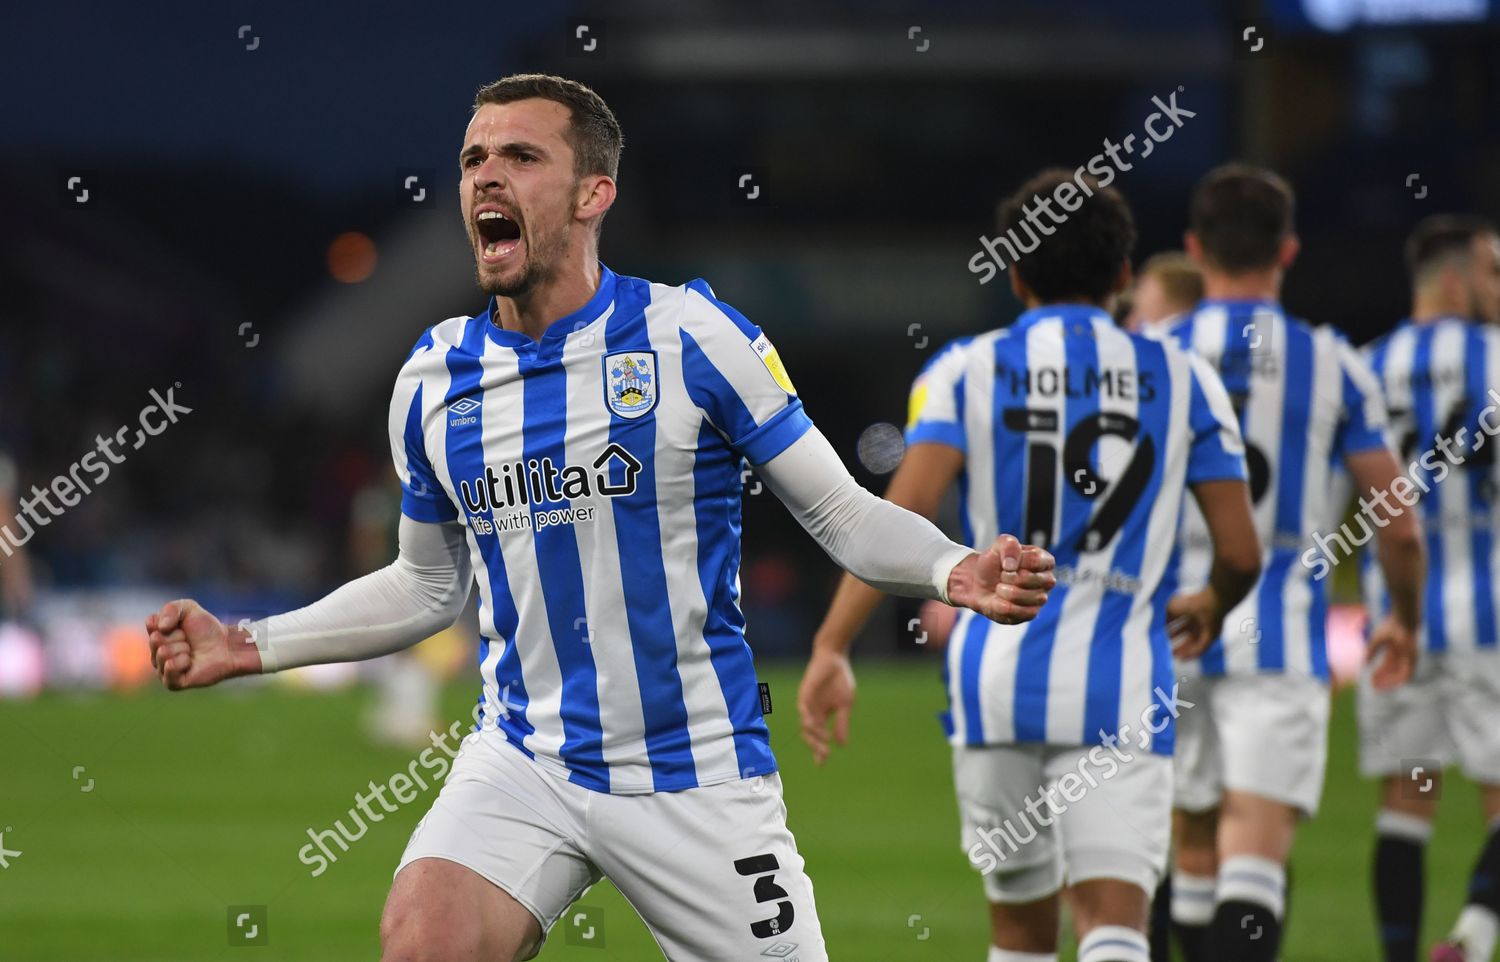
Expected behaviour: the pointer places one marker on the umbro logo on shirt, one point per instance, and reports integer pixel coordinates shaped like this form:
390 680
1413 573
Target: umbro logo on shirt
461 412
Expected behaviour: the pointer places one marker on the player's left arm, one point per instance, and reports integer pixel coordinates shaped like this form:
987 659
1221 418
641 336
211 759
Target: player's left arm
898 551
1217 477
738 380
1373 467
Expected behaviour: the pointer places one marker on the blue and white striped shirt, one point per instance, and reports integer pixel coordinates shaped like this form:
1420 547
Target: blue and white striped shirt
1438 379
1306 399
598 472
1083 438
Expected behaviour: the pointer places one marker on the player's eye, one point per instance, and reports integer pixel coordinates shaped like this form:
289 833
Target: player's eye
471 161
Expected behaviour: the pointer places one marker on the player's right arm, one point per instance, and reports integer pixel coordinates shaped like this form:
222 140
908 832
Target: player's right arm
420 593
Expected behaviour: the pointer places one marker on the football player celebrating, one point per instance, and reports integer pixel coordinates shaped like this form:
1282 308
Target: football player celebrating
574 451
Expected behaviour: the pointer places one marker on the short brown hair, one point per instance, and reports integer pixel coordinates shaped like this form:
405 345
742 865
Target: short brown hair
593 132
1241 213
1178 275
1443 236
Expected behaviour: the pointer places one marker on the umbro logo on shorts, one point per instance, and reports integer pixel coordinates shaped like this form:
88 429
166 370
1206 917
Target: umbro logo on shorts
780 950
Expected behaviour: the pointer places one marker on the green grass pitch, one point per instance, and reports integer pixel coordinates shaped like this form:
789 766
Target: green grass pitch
197 802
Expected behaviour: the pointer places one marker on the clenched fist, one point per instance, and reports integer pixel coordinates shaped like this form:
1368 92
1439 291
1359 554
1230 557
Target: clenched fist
1007 583
190 648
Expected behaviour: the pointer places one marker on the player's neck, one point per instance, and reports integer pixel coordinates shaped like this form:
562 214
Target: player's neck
567 291
1032 303
1250 286
1426 309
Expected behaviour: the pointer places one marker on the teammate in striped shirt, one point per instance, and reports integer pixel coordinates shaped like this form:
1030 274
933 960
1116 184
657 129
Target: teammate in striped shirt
578 446
1251 755
1439 370
1086 438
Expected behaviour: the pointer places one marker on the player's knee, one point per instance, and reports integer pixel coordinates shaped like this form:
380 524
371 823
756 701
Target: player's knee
1195 832
1121 900
1026 926
412 930
439 911
1415 793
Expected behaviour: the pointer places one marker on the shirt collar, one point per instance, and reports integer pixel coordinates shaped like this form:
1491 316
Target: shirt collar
563 326
1069 314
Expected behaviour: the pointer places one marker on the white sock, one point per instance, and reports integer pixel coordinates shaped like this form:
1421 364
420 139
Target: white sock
1193 898
998 954
1250 878
1477 928
1403 826
1114 943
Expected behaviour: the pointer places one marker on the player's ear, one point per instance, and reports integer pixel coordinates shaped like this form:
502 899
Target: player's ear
596 194
1193 246
1019 289
1291 245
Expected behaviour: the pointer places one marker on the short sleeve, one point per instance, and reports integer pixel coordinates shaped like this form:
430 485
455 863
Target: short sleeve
1362 426
1218 451
935 408
422 497
735 376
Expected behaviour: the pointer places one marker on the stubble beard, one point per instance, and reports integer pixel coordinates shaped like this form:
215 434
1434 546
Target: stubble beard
540 264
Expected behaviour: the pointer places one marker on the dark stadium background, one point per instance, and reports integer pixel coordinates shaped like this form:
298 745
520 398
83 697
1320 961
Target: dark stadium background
225 148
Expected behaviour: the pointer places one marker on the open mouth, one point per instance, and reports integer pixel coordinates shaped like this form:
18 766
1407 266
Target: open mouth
498 234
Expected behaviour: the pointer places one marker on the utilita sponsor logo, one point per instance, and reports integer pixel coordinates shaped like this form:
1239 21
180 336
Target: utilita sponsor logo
541 482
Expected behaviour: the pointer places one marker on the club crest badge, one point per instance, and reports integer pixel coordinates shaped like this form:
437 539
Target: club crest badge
630 387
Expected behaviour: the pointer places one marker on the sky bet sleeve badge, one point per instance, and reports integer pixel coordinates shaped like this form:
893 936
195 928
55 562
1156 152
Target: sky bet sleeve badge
768 356
630 383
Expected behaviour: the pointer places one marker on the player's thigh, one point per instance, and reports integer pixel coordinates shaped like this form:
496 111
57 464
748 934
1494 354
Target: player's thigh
714 872
507 823
1405 726
1008 829
1116 822
1473 712
1198 763
439 910
1274 733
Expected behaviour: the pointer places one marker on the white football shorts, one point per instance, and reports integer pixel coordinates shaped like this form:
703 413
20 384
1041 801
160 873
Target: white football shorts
1266 735
1038 816
1449 712
713 871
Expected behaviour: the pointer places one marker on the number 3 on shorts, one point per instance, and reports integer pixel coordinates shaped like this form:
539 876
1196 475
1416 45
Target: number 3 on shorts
766 890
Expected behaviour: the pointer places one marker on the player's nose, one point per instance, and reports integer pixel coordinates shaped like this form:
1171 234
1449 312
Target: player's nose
490 175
